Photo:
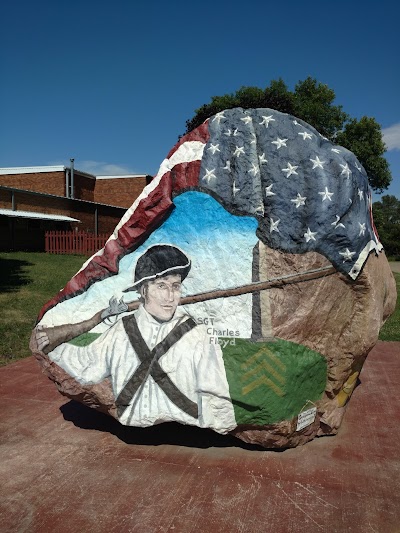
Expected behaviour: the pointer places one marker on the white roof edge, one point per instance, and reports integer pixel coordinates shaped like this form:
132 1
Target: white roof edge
34 214
122 176
28 170
49 168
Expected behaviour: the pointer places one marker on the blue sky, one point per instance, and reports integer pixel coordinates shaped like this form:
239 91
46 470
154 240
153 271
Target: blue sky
113 83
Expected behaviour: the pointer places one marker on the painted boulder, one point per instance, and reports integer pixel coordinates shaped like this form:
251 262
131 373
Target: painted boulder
241 292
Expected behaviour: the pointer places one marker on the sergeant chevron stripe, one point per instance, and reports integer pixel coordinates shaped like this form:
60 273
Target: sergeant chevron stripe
267 371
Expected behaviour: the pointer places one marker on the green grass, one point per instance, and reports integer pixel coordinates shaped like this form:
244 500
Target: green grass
391 329
27 282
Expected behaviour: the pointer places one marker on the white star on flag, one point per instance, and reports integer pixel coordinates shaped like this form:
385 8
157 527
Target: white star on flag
268 191
262 159
347 255
274 225
317 162
345 170
219 116
228 132
209 175
326 195
305 135
235 132
227 165
254 170
214 148
291 169
259 210
267 120
310 235
362 228
238 151
360 194
247 119
299 200
235 189
337 224
358 167
335 150
279 142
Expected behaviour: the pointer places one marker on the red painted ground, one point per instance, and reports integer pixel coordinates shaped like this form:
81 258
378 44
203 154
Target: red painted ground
66 468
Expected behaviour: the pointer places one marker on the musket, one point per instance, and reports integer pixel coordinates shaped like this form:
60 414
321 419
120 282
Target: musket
66 332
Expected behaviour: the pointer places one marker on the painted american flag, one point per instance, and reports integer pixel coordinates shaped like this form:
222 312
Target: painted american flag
306 193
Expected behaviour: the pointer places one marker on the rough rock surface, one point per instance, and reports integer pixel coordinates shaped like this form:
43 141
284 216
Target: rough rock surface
281 299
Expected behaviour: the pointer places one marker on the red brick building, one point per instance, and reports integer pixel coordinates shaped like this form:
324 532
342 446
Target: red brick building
38 199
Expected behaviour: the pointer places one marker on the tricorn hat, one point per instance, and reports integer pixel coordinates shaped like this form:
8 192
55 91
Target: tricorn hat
160 260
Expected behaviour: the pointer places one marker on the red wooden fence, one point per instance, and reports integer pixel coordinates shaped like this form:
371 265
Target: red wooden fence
74 242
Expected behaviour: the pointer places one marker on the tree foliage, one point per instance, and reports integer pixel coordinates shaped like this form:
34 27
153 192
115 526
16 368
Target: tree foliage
276 96
313 102
387 221
364 138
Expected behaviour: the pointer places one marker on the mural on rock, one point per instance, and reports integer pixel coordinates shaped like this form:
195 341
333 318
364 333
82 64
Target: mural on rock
230 290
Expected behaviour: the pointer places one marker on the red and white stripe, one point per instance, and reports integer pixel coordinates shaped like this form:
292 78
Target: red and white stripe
178 171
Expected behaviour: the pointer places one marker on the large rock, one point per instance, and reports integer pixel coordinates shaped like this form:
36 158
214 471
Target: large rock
262 231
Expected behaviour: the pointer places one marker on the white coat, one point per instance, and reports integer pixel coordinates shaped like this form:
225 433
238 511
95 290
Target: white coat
194 364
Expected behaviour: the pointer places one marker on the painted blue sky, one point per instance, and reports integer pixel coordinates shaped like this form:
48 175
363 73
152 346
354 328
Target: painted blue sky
195 227
113 83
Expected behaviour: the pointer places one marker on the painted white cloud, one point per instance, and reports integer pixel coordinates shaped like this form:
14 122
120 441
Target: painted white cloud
391 136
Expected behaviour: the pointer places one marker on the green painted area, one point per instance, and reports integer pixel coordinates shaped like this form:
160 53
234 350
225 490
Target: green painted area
84 339
273 381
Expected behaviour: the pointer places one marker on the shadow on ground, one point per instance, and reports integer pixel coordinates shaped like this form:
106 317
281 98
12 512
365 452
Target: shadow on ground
167 433
13 274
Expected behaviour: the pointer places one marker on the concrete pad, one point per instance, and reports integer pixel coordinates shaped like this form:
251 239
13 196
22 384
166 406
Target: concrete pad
67 468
